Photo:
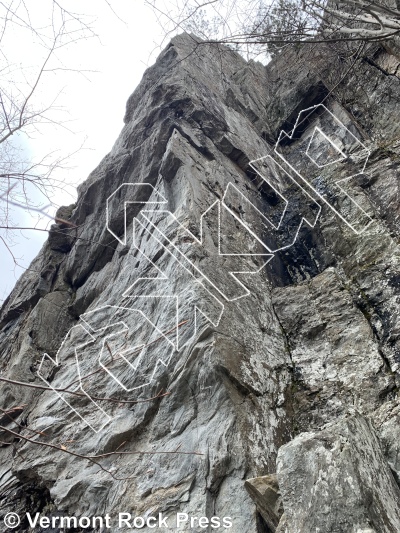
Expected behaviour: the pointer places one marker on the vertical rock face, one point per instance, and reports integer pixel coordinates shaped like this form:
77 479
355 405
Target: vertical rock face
338 480
218 289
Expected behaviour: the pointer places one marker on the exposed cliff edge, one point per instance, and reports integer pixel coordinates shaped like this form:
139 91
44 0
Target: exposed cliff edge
249 311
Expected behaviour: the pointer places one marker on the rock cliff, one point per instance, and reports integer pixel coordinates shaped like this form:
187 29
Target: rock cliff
220 305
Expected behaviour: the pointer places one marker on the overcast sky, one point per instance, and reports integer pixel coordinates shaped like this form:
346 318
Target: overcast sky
93 103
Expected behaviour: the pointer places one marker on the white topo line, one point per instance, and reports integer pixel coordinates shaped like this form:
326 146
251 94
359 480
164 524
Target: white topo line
198 276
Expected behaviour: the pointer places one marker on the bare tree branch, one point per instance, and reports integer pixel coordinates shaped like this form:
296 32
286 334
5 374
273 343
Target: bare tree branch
94 458
267 26
24 181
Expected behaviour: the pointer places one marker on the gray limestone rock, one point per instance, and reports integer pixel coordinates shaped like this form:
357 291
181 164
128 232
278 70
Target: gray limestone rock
267 497
287 291
337 480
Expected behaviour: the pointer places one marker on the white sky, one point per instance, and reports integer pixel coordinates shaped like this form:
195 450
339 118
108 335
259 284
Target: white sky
93 103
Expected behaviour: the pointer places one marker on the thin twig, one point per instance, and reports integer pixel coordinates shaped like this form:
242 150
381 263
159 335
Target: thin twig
76 393
93 458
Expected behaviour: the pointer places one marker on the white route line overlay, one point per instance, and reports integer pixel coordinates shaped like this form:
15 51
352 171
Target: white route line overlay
367 154
162 200
184 259
279 226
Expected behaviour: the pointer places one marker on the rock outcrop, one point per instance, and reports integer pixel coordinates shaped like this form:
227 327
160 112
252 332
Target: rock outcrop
221 295
338 480
267 497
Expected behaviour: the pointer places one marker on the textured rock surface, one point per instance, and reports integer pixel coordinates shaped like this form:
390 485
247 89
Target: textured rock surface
314 334
338 480
265 492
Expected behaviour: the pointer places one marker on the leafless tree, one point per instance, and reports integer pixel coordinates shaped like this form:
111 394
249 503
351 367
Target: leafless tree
28 183
257 26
